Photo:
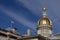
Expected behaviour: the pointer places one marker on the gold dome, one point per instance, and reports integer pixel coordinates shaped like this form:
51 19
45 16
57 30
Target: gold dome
44 20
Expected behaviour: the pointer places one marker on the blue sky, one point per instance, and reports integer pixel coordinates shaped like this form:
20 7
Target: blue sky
26 13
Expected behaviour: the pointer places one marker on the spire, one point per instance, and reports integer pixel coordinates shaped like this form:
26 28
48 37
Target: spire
44 12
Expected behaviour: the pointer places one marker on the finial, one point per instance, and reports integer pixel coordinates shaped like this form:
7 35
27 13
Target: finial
28 32
44 11
12 22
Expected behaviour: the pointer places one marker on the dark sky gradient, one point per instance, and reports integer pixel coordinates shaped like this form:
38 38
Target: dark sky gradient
26 13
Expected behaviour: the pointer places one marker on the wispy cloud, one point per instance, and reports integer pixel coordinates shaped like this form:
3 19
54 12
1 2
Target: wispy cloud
20 18
32 5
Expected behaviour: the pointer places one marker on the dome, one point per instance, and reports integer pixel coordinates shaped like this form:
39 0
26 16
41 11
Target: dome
44 21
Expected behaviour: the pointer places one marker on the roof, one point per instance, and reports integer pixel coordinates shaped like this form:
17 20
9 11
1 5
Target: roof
6 33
